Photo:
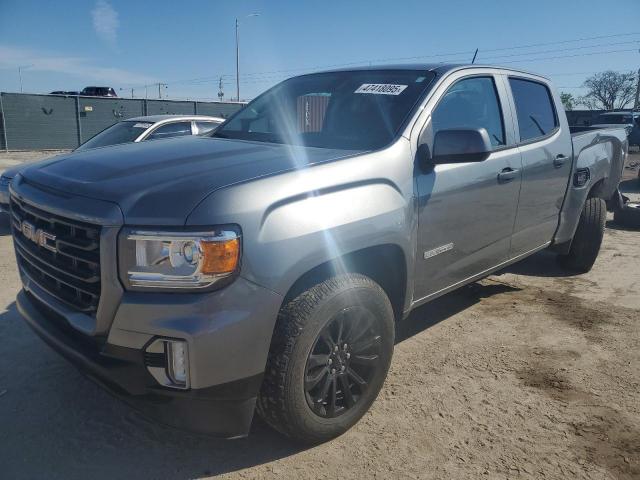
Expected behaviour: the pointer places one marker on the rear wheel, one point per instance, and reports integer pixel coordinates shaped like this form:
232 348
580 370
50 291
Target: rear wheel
329 357
587 240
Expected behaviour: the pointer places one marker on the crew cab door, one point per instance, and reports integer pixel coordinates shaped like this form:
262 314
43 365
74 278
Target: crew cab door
466 210
546 149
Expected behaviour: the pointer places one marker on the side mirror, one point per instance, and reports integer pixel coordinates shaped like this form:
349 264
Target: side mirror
461 146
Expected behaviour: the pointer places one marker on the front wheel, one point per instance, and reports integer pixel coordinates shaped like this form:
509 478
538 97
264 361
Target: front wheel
329 358
587 240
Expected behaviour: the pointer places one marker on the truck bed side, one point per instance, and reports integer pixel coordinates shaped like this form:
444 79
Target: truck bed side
603 153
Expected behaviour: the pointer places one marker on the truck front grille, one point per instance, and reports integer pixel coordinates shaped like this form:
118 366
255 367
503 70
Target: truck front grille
60 254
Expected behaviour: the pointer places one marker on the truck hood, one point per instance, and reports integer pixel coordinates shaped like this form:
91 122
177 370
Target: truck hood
160 182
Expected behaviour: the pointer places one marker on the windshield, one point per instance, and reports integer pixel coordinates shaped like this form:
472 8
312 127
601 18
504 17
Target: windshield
121 132
615 119
357 110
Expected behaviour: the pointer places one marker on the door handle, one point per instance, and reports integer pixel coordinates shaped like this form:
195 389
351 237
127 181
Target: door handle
559 160
508 174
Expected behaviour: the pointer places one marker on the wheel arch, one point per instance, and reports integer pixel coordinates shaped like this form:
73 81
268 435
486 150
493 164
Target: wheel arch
385 264
597 190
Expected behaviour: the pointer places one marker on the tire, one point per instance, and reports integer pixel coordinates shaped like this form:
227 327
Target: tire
628 215
587 240
289 401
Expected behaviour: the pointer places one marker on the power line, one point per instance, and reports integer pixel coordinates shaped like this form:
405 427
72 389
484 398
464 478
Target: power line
450 54
273 76
266 80
560 42
571 56
565 49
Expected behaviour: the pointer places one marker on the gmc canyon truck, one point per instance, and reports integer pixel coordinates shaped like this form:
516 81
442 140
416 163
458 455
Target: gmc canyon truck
263 268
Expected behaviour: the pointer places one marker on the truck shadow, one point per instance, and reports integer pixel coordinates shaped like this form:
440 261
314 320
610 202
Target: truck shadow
541 264
5 226
630 186
625 228
56 421
58 424
440 309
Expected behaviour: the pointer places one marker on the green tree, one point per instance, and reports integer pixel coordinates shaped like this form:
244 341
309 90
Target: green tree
609 90
568 100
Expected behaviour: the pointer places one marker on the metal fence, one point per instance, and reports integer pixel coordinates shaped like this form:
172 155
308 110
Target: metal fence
34 122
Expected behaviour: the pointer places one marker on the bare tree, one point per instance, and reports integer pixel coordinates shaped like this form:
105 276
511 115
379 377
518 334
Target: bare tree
568 100
609 90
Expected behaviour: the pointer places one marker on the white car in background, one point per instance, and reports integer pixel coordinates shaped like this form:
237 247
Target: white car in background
137 129
152 127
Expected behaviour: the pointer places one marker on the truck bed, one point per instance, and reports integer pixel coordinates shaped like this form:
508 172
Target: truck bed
600 148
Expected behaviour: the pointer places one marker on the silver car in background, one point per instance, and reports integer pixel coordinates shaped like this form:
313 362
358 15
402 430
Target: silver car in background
152 127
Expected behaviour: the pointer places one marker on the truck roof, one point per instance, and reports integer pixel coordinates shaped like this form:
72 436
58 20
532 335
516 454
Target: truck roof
439 68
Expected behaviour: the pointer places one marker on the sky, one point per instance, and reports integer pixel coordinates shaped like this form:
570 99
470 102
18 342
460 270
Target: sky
189 45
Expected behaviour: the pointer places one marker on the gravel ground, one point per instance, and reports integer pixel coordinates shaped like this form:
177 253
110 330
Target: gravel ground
530 373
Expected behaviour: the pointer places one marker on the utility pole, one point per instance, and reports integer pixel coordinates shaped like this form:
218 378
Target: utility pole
160 85
131 92
20 68
220 91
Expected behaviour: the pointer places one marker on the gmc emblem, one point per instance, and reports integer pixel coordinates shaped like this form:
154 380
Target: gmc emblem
38 236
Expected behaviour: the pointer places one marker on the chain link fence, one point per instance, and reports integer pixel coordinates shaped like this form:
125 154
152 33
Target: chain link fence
44 122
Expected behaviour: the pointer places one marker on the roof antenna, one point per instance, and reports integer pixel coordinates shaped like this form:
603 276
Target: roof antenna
474 57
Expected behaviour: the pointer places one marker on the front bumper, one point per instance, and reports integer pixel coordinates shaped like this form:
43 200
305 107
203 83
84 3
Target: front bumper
225 410
228 331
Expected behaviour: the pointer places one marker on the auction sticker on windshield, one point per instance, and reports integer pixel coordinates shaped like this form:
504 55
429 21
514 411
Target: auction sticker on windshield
381 88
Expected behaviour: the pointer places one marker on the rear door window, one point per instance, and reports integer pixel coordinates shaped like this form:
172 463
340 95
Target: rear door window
177 129
534 107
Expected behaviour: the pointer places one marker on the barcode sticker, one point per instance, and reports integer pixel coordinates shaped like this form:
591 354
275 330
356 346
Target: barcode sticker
381 88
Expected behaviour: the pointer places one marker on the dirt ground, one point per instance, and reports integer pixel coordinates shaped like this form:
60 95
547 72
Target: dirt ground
531 373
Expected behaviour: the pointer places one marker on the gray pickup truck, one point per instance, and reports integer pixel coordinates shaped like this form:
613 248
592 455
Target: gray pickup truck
263 268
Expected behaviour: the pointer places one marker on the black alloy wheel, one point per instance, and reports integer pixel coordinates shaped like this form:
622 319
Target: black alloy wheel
342 362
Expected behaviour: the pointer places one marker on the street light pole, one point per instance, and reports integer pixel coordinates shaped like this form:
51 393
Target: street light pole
636 104
237 64
238 55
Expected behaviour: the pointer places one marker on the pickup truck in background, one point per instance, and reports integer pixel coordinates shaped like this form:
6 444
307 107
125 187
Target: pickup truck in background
629 120
264 267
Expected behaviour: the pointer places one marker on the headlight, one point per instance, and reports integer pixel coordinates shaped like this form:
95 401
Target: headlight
4 181
163 259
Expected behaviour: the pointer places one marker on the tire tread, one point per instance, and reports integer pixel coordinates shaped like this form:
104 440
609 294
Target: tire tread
587 240
292 318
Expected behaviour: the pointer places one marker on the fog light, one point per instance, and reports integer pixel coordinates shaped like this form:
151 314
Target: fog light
168 362
177 362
